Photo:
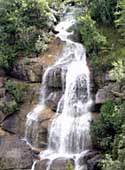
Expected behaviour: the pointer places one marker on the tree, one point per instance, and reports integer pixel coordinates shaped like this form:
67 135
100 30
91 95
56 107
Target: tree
91 38
120 19
103 10
22 26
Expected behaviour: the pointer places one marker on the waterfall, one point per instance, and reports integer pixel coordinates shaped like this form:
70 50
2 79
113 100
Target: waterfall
69 133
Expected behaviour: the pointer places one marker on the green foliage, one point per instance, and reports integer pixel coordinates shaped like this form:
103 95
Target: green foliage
102 127
116 163
11 107
91 38
35 13
109 133
119 70
103 10
15 90
21 24
108 125
120 19
70 165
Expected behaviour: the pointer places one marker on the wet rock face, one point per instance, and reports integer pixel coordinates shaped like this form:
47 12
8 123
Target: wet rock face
15 154
56 77
53 99
57 164
37 130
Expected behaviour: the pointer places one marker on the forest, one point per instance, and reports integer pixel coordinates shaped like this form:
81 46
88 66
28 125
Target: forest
27 28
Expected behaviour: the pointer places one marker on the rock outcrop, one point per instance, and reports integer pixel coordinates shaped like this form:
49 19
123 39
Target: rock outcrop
28 70
15 154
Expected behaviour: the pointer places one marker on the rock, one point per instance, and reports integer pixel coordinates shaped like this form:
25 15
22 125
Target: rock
30 70
107 93
2 92
62 164
100 96
35 74
53 99
56 77
41 165
1 116
1 82
57 164
9 124
110 77
2 72
90 159
15 154
37 129
93 162
3 136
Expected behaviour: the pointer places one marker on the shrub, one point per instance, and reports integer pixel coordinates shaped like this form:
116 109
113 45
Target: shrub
103 10
10 107
108 125
21 24
15 90
91 38
120 19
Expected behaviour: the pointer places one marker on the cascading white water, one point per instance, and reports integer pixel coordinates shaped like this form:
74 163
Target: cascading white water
69 133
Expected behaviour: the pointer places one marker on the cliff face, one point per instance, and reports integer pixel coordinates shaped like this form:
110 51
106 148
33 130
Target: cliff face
26 74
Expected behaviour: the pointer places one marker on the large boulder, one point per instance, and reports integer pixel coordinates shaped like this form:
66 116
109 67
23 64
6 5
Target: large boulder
15 155
109 91
57 164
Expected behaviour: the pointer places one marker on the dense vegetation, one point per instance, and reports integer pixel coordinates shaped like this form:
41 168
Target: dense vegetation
101 27
24 27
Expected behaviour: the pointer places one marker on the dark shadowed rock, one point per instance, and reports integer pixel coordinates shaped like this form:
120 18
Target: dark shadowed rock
1 81
91 159
56 77
9 124
2 72
15 154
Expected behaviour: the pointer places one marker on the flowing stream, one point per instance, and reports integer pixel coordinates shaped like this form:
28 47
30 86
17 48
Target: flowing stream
69 133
